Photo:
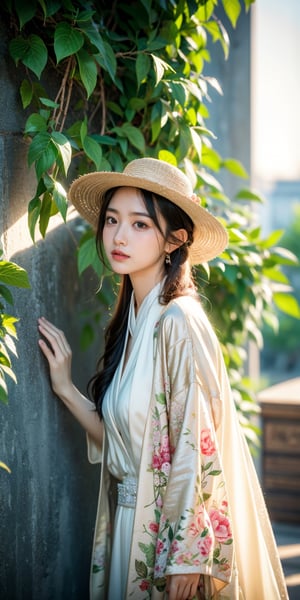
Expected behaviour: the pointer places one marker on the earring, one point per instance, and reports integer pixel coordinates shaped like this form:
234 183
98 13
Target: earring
167 259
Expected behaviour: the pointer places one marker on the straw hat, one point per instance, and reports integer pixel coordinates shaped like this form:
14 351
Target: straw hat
157 176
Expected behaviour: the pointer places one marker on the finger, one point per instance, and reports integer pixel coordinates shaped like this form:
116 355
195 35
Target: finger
47 352
54 336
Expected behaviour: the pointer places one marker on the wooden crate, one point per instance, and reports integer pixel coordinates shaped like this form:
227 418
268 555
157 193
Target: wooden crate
280 406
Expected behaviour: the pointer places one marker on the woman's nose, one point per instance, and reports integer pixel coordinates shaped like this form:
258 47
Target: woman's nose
120 237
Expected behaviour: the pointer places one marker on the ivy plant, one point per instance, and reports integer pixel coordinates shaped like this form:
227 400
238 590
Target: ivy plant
11 274
106 82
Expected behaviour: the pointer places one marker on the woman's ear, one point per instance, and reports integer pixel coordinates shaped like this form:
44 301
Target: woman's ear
179 237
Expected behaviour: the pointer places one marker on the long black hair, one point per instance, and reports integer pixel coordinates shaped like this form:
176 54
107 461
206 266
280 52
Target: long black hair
178 281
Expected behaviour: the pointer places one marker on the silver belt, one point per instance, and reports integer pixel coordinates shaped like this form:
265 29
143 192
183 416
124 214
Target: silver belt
127 492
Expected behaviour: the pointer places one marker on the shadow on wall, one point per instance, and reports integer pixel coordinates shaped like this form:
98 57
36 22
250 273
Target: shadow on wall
48 502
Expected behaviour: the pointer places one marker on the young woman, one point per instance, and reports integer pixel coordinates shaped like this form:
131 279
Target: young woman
187 518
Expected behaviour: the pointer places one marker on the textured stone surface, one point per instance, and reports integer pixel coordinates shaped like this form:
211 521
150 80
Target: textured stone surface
48 502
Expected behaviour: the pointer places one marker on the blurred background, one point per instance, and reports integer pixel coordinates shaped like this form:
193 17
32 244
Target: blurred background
275 157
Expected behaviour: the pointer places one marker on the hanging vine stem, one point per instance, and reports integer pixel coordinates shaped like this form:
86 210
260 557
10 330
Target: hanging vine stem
100 104
60 97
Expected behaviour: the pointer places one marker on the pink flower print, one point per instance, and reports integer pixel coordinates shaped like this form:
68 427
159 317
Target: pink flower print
204 545
165 441
153 527
158 571
159 547
198 524
158 501
174 546
221 525
156 462
207 444
144 585
156 437
180 559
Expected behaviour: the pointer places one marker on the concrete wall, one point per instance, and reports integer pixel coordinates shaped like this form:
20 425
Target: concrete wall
230 114
48 502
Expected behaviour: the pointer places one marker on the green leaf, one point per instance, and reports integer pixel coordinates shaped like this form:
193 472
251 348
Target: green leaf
106 57
25 11
167 157
83 130
161 398
275 275
235 167
60 199
149 552
88 71
205 10
67 40
49 103
38 146
248 195
92 150
287 304
2 464
142 67
179 92
43 152
34 209
12 274
208 179
64 148
45 212
232 9
197 142
108 61
141 569
35 123
160 66
31 51
3 389
8 322
26 93
46 160
273 238
6 294
284 256
134 135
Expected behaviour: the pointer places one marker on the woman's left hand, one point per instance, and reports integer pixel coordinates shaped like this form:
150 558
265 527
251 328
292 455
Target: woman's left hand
182 587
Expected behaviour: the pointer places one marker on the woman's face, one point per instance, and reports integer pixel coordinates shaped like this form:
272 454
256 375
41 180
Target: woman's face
133 244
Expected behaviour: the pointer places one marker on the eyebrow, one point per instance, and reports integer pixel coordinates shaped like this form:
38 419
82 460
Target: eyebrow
132 214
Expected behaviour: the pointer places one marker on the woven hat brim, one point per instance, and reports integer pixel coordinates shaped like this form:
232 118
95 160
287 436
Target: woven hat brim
86 194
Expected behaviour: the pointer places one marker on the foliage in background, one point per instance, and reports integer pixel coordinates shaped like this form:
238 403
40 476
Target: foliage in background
12 275
281 344
107 82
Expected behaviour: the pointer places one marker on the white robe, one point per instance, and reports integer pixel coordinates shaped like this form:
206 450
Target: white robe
199 504
125 442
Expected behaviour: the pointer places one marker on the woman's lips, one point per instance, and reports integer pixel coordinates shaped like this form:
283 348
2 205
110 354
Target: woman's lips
118 255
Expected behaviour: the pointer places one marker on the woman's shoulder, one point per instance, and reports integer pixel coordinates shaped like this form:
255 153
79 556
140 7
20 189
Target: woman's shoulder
186 315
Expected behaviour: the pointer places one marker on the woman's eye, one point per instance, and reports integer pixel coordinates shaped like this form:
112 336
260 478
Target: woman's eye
110 220
140 225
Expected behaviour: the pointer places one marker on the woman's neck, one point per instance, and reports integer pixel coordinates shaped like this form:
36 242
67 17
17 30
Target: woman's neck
142 286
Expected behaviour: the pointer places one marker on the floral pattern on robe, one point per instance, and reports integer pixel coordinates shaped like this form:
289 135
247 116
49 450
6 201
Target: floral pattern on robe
199 504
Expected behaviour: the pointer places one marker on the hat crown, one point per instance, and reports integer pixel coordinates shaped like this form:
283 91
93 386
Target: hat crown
161 174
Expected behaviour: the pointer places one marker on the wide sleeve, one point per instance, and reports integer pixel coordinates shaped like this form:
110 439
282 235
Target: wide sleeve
93 452
195 533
